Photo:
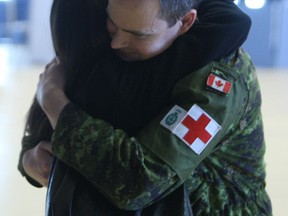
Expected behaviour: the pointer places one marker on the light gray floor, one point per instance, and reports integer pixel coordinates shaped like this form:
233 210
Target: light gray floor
18 79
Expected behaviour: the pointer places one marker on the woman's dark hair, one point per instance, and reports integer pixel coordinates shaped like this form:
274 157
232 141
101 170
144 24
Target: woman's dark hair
79 36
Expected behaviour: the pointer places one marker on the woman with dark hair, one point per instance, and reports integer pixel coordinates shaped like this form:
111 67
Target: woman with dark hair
104 159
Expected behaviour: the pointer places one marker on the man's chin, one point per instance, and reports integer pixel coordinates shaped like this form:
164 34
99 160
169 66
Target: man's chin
127 56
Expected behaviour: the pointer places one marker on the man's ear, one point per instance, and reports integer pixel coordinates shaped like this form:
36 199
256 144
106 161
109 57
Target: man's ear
188 20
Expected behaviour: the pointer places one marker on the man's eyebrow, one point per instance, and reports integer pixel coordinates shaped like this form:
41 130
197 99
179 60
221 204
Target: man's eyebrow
135 32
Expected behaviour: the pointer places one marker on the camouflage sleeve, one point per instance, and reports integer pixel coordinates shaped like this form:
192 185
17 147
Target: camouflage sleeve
224 108
134 171
122 169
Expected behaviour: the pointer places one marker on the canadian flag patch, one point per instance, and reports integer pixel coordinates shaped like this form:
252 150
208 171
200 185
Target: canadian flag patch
218 83
195 128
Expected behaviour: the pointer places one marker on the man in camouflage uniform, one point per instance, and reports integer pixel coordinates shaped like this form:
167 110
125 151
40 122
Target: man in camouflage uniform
207 137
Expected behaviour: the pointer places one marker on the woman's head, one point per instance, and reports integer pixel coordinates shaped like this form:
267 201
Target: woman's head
78 29
76 26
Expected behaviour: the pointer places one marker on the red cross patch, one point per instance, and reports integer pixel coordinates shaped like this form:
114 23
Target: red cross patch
196 129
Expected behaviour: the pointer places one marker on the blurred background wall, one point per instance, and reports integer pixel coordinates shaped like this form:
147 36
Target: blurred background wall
27 22
267 42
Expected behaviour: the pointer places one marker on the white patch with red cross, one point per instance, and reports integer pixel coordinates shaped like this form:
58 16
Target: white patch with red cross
195 128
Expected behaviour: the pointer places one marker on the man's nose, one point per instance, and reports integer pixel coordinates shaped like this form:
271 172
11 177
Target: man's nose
119 40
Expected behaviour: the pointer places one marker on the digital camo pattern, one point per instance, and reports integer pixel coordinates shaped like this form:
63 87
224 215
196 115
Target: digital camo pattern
231 181
126 173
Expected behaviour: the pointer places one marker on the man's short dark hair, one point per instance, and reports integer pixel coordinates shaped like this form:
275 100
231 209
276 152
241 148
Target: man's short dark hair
173 10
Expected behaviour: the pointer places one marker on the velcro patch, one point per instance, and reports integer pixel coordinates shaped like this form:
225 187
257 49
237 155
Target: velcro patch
195 128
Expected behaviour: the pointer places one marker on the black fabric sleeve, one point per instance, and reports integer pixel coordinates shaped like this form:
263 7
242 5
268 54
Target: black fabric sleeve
221 28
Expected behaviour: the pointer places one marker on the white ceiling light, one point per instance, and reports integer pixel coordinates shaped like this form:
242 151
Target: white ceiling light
236 2
255 4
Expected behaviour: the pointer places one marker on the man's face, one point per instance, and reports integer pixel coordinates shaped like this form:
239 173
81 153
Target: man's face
135 30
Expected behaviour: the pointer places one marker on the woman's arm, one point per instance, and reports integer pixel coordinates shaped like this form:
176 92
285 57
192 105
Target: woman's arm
222 27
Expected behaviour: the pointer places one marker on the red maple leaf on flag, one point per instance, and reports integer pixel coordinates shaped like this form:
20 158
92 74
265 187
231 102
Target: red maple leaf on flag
218 83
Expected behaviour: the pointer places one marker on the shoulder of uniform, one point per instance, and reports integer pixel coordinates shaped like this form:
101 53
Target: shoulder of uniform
216 77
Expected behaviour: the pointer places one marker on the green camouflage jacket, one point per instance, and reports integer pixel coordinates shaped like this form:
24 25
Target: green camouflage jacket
221 164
